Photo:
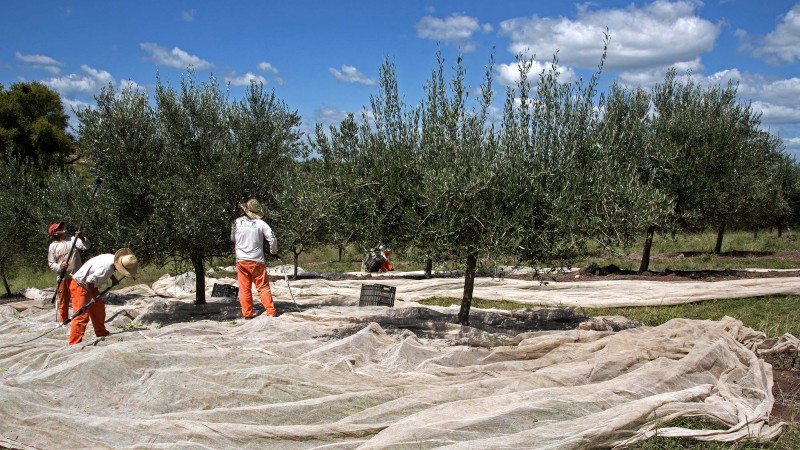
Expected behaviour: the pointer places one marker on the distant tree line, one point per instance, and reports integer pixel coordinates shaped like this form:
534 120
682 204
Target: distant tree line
449 179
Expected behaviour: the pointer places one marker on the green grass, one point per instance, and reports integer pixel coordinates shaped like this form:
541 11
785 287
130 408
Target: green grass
772 315
789 440
702 245
476 303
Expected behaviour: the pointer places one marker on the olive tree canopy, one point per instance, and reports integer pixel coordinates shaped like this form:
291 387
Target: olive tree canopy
176 171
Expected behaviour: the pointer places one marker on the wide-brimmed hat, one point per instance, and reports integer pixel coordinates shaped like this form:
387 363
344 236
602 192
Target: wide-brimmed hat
54 227
126 262
252 208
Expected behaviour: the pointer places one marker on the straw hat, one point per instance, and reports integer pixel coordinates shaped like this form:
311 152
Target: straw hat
126 262
252 208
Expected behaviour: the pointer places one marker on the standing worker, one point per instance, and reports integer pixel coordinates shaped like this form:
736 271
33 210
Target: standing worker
248 234
95 272
57 260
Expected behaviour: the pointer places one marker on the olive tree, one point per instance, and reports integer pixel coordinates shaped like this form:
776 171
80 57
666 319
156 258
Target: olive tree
577 178
177 170
711 157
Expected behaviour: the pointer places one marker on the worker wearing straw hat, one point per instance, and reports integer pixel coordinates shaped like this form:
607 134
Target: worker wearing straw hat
248 234
92 274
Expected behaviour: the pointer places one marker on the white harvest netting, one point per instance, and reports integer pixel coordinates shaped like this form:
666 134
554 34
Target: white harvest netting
177 375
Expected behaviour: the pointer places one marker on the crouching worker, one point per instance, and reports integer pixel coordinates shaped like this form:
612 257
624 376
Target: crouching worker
248 234
85 287
378 260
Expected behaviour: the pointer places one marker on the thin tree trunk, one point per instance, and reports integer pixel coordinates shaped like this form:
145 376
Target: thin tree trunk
720 235
5 280
199 280
341 251
296 257
755 233
648 244
780 231
428 267
469 286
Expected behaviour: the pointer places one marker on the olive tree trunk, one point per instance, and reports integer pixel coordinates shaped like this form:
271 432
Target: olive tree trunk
199 280
648 244
720 235
469 286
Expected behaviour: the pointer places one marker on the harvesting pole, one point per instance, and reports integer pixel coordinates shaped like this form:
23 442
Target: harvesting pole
63 272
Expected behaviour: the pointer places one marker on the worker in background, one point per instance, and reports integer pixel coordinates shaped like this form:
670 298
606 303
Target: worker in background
57 260
248 234
85 288
386 251
377 260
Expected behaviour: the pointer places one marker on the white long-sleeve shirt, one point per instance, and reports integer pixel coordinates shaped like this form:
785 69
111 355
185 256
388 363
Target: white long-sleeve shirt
97 270
58 251
249 235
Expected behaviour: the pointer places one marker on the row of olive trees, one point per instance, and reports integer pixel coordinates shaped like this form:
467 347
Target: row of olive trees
705 152
563 167
446 182
444 179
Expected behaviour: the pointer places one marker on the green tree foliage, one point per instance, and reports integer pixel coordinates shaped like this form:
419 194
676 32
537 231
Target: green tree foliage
454 187
577 169
177 171
461 211
33 126
307 210
33 143
710 155
30 205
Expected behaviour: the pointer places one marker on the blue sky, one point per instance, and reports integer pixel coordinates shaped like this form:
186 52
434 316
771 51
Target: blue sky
322 57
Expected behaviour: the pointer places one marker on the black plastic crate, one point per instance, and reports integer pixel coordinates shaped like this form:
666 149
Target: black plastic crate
376 295
224 290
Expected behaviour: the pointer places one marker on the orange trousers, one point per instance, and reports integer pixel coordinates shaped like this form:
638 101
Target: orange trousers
96 312
64 298
249 272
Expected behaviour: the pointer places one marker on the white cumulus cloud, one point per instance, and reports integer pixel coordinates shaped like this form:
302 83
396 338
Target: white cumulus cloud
658 34
176 58
89 82
269 68
350 74
43 62
783 43
456 30
245 79
38 59
509 74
